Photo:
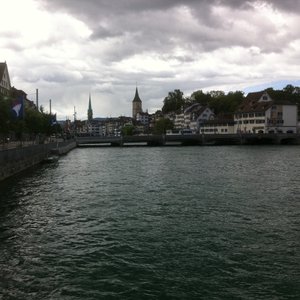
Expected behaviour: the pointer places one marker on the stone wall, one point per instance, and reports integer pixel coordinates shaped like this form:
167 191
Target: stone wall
13 161
63 147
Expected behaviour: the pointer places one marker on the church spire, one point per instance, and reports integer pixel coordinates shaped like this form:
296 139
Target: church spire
90 110
136 97
136 104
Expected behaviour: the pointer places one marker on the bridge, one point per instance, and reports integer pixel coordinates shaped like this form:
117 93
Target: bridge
191 139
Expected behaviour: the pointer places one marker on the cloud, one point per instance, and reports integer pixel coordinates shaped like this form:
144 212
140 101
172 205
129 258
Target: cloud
68 48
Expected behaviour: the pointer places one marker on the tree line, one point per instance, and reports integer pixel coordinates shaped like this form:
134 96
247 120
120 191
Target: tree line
32 123
220 102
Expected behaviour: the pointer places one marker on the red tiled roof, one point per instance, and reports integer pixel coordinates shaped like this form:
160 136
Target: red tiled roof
252 104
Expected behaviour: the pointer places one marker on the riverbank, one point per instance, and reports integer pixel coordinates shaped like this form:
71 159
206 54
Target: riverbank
190 139
18 159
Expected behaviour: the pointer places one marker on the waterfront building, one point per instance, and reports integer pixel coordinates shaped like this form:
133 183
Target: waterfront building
179 120
143 120
104 126
143 117
96 127
154 118
196 115
192 117
259 113
136 104
223 124
5 87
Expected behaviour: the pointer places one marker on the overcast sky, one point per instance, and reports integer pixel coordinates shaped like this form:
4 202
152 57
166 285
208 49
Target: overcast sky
70 48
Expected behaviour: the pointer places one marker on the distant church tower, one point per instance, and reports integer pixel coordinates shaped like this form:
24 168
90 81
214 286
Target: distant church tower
136 104
90 111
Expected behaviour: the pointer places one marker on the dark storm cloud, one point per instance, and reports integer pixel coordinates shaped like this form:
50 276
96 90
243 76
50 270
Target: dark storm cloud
292 6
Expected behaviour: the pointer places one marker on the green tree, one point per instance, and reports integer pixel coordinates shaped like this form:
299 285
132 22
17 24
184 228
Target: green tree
4 115
217 94
221 103
127 130
173 101
162 125
289 89
200 97
34 121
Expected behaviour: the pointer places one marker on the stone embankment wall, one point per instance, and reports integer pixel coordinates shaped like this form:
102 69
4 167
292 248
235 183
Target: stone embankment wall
63 147
13 161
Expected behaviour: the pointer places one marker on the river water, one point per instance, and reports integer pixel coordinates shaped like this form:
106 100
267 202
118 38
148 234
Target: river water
154 223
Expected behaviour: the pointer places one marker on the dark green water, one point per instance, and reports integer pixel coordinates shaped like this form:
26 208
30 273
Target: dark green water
154 223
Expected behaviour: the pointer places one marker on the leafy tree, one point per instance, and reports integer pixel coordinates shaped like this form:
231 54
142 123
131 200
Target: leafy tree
127 130
4 114
34 121
289 89
231 101
162 125
200 97
289 94
173 101
222 103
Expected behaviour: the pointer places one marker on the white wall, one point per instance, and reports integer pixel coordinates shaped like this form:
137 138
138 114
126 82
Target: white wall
290 115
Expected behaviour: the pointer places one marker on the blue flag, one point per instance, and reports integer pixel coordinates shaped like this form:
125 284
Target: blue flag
18 108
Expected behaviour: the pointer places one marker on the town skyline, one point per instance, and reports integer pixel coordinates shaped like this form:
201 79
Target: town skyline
70 50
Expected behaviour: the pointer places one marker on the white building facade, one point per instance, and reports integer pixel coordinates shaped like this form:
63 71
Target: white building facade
259 113
193 117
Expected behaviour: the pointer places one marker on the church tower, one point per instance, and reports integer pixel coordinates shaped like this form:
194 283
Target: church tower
136 104
90 111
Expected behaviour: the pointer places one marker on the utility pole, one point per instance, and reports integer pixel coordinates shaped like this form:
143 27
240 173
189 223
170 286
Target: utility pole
50 106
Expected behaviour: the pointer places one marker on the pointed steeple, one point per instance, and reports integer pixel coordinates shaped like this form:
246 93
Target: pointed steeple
90 110
136 97
136 104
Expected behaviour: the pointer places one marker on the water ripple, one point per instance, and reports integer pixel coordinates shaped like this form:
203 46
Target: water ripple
154 223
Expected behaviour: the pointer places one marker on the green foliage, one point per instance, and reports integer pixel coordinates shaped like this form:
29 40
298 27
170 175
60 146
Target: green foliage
221 103
289 94
4 114
128 130
200 97
34 122
162 125
173 101
218 101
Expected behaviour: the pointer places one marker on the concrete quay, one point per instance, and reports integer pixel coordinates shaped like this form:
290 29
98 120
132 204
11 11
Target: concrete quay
193 139
22 157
